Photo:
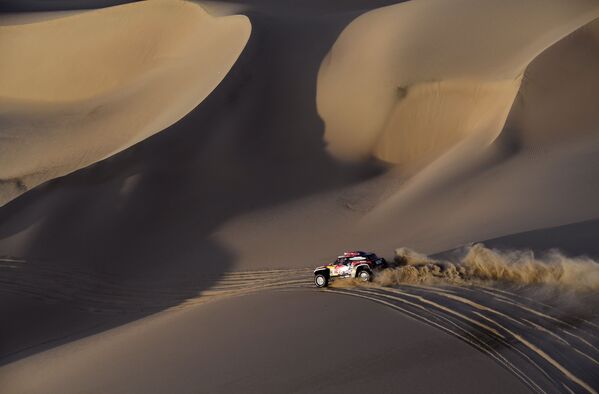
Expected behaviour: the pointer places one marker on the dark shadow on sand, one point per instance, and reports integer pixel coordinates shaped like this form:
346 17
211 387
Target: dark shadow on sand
146 215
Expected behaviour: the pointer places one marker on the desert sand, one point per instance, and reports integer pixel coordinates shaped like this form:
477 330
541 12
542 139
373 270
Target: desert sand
201 349
75 97
226 169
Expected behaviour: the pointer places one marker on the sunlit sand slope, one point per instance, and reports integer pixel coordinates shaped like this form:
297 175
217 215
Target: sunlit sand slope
81 92
407 82
539 172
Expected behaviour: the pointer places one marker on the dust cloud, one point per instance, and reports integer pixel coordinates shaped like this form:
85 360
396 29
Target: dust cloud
477 263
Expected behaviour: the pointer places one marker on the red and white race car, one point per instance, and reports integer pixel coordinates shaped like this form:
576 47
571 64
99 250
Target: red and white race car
357 264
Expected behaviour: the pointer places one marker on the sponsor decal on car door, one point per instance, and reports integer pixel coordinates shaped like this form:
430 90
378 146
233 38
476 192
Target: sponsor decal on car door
344 269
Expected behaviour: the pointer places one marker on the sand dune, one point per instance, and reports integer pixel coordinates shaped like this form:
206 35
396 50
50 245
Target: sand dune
536 171
555 105
407 82
76 97
532 176
523 179
468 121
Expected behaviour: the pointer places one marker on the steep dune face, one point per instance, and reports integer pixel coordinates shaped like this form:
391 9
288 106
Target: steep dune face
557 103
75 97
539 172
407 82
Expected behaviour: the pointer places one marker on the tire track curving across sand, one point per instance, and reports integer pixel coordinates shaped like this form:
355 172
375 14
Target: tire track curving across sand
95 292
546 350
533 340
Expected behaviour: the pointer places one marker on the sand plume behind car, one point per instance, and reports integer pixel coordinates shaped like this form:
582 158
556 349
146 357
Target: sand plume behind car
478 263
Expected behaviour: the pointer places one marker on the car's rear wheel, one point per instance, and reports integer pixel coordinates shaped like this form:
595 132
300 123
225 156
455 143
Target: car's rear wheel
365 276
321 280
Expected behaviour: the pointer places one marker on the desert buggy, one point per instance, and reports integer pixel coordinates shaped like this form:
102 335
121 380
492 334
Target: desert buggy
359 265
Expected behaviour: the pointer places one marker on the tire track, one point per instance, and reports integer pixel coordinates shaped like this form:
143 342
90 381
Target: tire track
101 293
530 339
547 353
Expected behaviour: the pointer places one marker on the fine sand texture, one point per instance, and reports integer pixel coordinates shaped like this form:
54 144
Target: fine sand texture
77 96
534 169
409 81
341 125
369 348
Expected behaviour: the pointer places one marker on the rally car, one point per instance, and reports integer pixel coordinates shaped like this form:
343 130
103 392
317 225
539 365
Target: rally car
358 264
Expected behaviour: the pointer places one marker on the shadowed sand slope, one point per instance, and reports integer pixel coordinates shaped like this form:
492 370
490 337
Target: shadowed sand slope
75 96
468 191
538 171
281 342
146 217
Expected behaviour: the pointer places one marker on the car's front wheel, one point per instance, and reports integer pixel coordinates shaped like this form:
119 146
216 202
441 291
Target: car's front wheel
365 276
321 280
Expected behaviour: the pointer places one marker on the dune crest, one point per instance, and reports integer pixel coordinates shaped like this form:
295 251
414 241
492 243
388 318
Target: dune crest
404 89
81 92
